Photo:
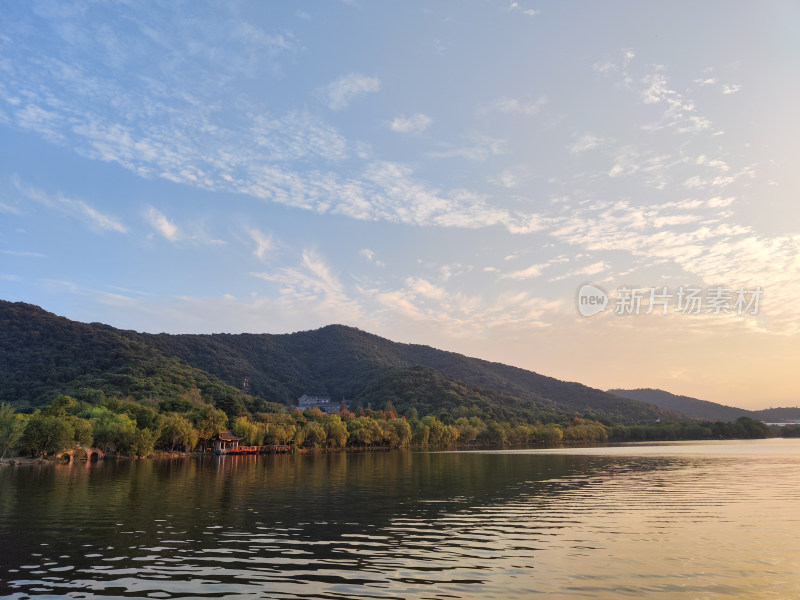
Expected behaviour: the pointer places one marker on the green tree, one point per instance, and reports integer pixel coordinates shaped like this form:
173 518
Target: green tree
753 429
114 432
299 436
402 432
364 431
143 442
12 427
59 407
209 421
335 431
549 434
145 416
177 432
422 434
468 430
83 430
279 428
253 433
790 431
313 435
46 434
388 433
496 433
439 433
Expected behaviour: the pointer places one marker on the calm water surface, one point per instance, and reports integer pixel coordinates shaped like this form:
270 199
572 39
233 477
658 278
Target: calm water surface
713 520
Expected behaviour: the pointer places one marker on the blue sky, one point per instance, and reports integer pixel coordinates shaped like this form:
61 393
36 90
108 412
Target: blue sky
443 173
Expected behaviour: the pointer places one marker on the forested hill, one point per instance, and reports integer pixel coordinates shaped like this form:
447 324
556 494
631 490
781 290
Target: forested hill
691 407
703 409
42 355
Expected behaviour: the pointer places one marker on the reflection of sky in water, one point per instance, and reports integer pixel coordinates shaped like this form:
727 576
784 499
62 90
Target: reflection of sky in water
708 520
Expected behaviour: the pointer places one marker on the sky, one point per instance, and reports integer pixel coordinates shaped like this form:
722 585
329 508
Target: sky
448 173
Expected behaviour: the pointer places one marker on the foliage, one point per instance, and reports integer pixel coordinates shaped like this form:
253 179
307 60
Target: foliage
743 428
790 431
84 432
43 356
11 428
177 433
253 433
364 431
209 421
143 442
313 435
124 426
46 434
280 427
336 433
585 431
113 432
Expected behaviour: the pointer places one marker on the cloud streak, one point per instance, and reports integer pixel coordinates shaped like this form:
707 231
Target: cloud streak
162 224
77 209
347 88
416 123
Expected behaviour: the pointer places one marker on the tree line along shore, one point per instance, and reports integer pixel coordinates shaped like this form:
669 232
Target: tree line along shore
190 423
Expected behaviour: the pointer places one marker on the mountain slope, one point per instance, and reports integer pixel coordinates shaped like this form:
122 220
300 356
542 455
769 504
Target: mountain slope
341 361
703 409
691 407
42 355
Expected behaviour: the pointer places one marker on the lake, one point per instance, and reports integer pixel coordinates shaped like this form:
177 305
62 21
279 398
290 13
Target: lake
672 520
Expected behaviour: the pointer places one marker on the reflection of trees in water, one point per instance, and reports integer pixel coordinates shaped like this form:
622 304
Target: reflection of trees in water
188 507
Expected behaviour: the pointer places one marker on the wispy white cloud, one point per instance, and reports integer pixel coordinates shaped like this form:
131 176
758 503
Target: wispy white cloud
23 253
517 106
162 224
680 114
586 271
511 177
529 273
477 148
154 131
585 143
706 81
693 236
528 12
6 208
313 284
78 209
653 169
416 123
297 136
604 67
731 89
264 243
456 314
341 92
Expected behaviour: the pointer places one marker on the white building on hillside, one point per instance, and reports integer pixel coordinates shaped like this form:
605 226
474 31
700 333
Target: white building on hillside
324 403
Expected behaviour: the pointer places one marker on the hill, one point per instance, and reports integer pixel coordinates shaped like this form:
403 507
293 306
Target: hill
703 409
42 355
691 407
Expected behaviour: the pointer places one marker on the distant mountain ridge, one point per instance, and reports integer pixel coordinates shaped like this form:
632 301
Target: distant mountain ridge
42 355
703 409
